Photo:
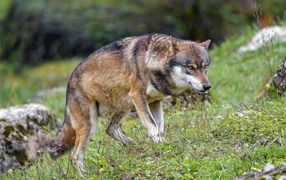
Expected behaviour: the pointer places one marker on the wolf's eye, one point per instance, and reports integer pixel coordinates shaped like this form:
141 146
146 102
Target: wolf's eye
205 66
191 67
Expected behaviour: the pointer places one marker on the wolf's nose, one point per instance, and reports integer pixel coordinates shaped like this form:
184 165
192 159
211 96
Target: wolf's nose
206 86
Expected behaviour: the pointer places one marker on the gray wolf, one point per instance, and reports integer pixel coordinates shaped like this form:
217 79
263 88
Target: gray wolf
134 73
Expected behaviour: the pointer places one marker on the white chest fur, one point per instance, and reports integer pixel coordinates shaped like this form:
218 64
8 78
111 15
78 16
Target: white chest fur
153 94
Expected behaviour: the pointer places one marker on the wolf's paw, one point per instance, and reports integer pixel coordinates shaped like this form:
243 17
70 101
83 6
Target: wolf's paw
127 141
80 169
82 172
156 138
79 165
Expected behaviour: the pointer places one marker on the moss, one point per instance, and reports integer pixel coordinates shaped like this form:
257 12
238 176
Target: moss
8 130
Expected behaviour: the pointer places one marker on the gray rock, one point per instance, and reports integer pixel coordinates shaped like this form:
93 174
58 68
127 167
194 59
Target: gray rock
24 134
268 167
269 172
264 36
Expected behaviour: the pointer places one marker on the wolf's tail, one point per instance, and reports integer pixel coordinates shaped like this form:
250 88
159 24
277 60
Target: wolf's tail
64 140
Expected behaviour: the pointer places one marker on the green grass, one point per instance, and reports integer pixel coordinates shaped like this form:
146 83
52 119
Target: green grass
235 134
19 88
195 148
238 77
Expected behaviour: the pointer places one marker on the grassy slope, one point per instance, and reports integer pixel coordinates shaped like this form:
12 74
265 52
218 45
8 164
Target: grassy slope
218 143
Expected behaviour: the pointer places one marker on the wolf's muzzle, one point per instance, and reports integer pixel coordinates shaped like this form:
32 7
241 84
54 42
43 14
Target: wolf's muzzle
206 86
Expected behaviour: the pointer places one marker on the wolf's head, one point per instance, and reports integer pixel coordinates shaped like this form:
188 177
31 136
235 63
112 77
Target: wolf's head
188 62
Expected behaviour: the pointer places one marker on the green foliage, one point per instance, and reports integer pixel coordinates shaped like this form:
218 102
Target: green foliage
36 31
4 5
19 88
227 148
240 77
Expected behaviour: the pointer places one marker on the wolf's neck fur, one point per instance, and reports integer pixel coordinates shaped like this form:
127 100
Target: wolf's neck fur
164 83
158 51
156 62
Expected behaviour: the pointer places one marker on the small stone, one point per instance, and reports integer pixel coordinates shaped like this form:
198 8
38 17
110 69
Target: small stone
239 114
250 174
268 167
219 117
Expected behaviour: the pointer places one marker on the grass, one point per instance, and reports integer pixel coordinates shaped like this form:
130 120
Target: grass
19 88
235 134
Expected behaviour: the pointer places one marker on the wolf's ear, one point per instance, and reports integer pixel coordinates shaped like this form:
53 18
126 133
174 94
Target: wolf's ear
172 46
206 44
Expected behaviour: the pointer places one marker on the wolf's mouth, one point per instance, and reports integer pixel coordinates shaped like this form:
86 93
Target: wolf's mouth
196 90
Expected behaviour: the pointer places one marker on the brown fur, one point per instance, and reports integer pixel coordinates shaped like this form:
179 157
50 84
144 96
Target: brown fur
132 73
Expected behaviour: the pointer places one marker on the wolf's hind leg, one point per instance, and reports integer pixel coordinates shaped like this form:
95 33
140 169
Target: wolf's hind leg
84 117
156 109
114 129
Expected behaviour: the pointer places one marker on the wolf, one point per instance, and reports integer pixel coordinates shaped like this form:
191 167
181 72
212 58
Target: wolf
134 73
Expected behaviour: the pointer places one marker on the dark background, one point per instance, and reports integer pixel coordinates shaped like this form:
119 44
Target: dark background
35 31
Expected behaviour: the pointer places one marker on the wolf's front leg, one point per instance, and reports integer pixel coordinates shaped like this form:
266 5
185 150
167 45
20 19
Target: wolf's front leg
146 117
157 112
